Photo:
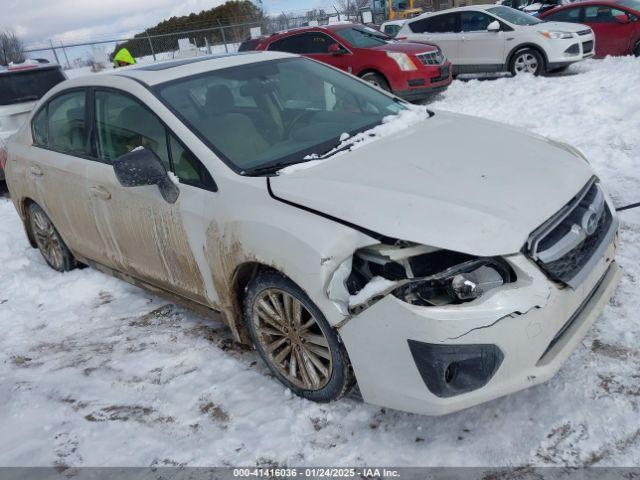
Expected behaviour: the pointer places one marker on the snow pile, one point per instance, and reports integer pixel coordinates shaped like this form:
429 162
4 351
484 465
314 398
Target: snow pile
391 125
89 364
376 286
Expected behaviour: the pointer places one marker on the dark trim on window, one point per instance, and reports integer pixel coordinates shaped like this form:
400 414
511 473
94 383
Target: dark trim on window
213 187
46 106
377 236
340 42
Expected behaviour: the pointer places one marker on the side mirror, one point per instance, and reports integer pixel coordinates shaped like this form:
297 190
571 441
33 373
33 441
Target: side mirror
494 26
335 49
622 19
142 167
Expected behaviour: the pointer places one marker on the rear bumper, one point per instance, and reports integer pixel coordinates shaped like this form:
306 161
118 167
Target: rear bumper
400 352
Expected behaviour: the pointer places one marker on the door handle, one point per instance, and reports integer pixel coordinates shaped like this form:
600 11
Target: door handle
36 171
100 192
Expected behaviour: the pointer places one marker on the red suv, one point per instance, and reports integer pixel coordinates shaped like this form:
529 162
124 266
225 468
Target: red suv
616 25
412 71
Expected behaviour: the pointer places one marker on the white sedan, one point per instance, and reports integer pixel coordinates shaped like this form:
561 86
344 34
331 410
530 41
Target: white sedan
495 38
347 235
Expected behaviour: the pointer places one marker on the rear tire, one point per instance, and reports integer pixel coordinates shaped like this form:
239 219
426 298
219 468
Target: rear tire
636 49
51 246
377 80
527 60
294 339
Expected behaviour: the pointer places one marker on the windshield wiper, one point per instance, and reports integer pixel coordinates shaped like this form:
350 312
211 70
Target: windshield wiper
266 169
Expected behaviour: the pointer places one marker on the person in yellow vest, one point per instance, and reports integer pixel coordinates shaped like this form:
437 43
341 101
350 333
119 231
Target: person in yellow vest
123 58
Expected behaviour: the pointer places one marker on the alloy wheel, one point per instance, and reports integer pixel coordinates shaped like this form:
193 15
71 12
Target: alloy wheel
292 339
47 239
526 63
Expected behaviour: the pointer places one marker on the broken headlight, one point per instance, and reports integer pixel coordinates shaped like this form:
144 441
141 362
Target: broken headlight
427 276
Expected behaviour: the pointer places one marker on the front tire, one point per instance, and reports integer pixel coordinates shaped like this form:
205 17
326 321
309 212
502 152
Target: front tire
527 60
636 49
51 246
294 339
377 80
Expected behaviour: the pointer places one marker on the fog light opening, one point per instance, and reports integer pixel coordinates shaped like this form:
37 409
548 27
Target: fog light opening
450 373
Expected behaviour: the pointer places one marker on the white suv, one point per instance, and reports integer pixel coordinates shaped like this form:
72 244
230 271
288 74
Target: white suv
495 38
21 86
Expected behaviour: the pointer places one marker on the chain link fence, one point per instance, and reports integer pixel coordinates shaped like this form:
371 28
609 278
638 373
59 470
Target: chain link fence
196 39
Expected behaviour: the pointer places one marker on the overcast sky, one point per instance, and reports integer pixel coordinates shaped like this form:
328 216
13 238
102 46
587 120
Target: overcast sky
80 20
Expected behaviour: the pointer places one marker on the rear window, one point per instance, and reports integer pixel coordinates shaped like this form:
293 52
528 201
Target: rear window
28 85
249 45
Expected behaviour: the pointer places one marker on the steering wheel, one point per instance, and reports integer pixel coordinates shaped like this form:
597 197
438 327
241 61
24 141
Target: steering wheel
295 120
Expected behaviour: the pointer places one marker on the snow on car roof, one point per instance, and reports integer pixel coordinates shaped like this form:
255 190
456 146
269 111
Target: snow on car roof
455 9
160 72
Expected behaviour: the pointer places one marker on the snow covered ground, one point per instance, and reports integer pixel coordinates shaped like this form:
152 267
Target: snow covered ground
96 372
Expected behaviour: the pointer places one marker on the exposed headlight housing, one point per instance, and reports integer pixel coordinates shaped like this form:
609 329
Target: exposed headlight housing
556 34
402 59
426 276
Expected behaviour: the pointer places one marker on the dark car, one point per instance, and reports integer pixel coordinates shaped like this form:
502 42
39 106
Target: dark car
616 25
410 70
21 86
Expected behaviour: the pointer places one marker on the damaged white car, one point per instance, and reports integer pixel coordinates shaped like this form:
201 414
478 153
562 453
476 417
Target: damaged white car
344 233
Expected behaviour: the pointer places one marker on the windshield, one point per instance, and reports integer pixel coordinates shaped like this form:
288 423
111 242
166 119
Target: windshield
276 112
363 37
511 15
633 4
27 85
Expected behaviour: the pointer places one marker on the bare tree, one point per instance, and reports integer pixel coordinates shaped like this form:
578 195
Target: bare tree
352 7
11 48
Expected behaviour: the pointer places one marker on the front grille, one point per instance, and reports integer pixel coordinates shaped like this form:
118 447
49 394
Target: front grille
444 74
566 267
584 32
564 245
431 58
587 47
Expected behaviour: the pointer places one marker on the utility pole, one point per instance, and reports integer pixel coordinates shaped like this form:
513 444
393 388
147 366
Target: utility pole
55 54
151 46
64 50
224 38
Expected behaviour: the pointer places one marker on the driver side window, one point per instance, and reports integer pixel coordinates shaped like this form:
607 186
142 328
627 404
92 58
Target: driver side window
474 21
601 14
123 124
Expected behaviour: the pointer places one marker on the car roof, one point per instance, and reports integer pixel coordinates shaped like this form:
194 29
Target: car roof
456 9
159 72
27 67
332 27
587 3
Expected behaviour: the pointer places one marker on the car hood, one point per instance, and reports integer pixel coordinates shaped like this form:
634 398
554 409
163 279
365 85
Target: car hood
453 181
412 48
561 26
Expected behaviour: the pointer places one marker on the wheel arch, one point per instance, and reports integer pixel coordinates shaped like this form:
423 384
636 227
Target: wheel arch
24 204
366 70
523 46
242 275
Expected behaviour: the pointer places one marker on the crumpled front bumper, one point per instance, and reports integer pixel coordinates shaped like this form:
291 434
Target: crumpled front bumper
535 324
